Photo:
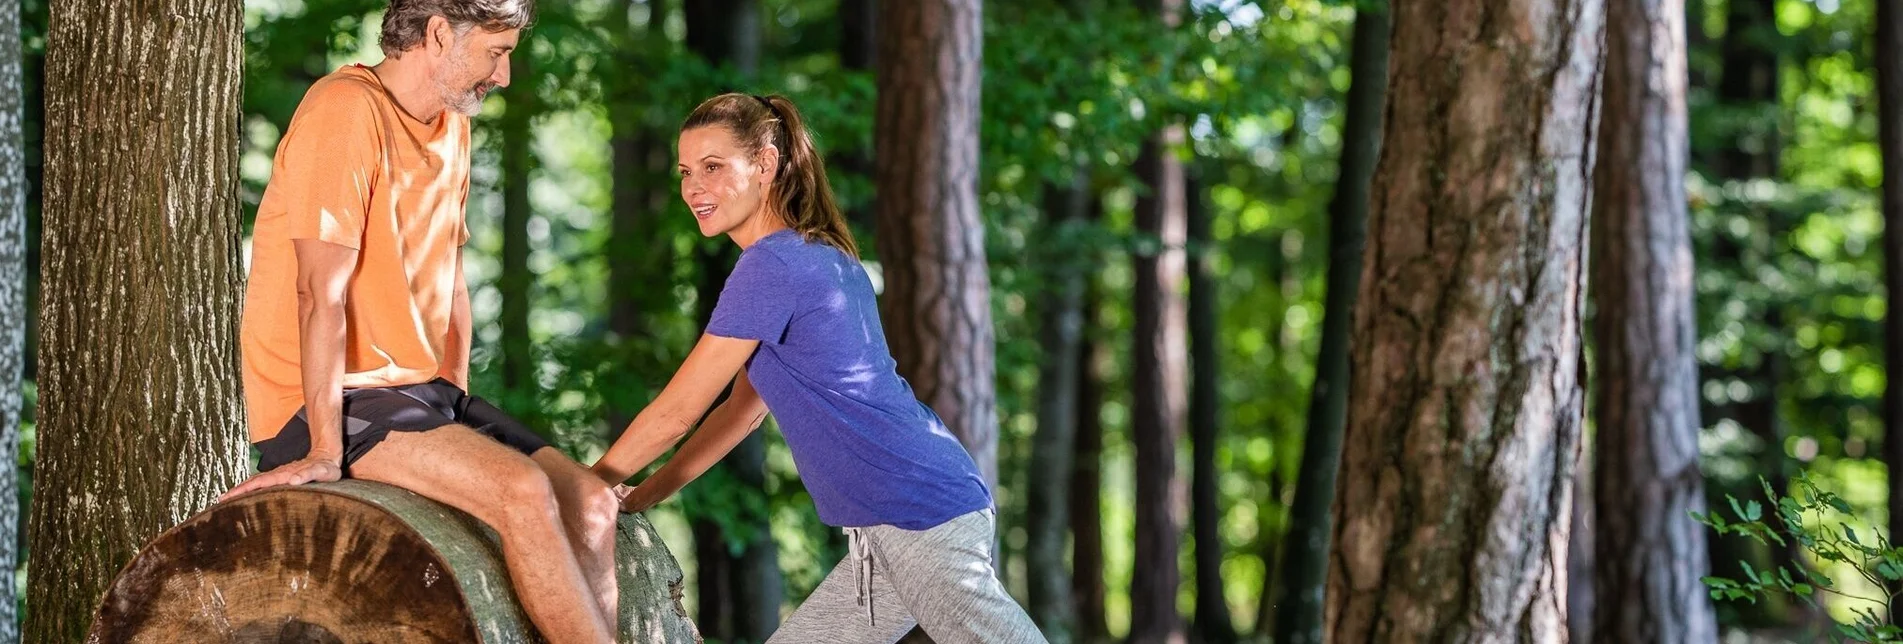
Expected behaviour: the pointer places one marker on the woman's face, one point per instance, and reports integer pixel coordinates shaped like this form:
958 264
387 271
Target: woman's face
721 183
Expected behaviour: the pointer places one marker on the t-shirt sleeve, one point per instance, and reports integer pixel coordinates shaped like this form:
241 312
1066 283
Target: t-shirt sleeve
327 162
759 301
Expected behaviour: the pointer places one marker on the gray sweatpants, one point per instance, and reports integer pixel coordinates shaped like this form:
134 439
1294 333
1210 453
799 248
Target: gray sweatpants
940 578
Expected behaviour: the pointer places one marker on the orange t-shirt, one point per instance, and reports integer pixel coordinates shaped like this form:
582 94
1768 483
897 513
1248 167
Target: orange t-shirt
354 170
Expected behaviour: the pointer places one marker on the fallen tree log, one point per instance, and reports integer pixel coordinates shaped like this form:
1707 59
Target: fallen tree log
355 561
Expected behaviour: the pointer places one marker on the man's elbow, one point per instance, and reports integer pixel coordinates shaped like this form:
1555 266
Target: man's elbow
313 299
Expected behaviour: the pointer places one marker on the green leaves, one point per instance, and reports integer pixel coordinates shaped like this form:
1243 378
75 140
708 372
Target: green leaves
1802 518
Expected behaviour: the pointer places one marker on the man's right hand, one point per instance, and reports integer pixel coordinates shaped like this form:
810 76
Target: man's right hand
305 470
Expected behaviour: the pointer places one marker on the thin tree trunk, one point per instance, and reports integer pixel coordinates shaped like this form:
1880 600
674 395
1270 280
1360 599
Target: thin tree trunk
1053 447
727 33
140 423
1748 87
639 254
1890 137
1214 625
1649 553
858 52
1086 484
1304 567
1158 379
1158 387
1455 489
13 316
516 281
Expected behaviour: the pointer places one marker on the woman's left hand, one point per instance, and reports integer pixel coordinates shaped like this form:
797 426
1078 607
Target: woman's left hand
638 498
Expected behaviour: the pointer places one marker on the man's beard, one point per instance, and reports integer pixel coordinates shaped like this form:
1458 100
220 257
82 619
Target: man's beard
463 99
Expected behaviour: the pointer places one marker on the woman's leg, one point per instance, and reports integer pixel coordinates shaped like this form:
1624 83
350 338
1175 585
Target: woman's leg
836 614
944 577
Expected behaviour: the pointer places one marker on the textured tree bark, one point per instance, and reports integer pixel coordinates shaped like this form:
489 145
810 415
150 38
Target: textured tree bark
1649 553
937 302
274 566
1454 495
1053 447
140 423
13 284
1158 380
516 281
1213 623
1304 568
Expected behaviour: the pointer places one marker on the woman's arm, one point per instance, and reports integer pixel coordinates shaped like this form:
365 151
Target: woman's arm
725 428
708 368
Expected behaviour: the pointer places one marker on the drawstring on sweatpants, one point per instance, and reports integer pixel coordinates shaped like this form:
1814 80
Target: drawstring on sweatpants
861 556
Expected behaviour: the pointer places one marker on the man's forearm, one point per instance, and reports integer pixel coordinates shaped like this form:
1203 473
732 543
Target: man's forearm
455 366
322 339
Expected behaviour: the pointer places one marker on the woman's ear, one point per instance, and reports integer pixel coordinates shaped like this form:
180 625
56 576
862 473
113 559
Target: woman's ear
769 164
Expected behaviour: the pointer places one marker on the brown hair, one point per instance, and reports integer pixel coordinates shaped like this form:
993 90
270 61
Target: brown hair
405 20
800 189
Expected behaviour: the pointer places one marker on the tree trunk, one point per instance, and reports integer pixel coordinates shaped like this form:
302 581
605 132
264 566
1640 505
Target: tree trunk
1304 567
1455 489
727 33
141 269
1213 622
13 281
1086 483
1748 88
1649 554
1890 137
858 52
516 281
1061 332
409 570
937 302
1158 387
1158 381
638 252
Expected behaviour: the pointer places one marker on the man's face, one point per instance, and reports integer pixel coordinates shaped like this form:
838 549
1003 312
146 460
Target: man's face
475 62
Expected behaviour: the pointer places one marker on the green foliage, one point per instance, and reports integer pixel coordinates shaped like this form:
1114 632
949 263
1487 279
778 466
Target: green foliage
1814 518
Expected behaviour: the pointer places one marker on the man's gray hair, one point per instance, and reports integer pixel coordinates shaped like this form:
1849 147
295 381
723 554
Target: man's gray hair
405 21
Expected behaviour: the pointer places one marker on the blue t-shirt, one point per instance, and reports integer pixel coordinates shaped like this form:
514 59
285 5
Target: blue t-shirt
868 451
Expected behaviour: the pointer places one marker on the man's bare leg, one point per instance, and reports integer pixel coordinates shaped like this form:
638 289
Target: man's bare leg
500 487
589 512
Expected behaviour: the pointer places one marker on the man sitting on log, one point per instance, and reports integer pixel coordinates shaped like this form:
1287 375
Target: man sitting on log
356 324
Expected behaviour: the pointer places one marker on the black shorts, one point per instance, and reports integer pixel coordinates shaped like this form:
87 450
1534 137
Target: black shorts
371 414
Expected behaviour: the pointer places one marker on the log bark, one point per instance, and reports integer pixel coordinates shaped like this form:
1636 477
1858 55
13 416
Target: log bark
357 561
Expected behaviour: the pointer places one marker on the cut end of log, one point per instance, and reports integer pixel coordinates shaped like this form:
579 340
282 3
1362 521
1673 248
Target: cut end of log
355 561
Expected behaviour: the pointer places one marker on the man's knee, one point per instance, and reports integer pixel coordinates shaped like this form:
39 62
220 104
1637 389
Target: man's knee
523 494
597 507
